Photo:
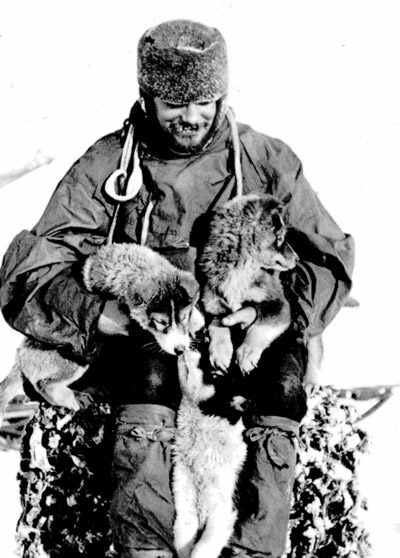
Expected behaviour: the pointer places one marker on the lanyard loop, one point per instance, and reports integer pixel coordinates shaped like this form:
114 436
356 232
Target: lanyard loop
117 186
122 188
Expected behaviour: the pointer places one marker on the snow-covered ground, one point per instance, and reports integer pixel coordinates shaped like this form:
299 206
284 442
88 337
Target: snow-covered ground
322 76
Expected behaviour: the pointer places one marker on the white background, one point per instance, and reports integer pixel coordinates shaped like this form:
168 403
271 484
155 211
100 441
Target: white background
321 75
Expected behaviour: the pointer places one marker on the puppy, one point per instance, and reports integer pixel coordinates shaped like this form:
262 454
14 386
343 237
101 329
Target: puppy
209 452
159 297
240 265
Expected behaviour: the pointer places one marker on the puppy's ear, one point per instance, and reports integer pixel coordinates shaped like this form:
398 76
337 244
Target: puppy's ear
189 284
138 294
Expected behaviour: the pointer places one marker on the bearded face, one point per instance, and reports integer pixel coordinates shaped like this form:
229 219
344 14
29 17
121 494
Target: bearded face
186 128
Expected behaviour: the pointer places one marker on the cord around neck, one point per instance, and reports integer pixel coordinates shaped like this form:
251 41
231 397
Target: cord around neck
122 188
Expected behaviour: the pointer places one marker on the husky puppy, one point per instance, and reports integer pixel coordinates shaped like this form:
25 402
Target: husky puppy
241 262
209 452
159 297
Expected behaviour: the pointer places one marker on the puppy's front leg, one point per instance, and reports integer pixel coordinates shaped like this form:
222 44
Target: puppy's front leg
220 348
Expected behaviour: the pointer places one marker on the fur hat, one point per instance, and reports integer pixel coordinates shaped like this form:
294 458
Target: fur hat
182 61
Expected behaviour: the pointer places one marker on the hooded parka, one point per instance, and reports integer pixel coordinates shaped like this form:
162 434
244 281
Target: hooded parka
42 295
41 289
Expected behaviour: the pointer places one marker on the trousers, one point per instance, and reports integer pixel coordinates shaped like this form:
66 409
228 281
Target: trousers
142 508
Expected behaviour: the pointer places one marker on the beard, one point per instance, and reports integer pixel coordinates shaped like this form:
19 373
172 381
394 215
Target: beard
188 138
180 137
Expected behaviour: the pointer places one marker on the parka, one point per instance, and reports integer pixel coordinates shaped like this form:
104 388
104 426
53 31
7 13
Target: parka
41 289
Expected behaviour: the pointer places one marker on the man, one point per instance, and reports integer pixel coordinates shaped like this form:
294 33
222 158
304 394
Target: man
188 145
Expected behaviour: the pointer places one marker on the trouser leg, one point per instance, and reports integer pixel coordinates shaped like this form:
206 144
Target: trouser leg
142 510
265 488
265 485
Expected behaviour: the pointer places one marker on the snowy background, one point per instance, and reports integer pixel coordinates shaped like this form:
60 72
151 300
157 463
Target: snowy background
322 76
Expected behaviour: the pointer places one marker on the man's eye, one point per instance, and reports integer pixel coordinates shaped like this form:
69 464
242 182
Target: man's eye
172 106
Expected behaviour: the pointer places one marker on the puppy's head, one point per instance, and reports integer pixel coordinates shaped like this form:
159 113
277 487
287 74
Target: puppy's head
160 297
171 314
268 234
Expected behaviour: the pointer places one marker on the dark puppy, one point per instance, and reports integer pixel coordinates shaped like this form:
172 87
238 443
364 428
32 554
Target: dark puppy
245 252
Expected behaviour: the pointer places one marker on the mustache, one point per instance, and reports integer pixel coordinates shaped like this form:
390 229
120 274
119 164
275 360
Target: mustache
181 127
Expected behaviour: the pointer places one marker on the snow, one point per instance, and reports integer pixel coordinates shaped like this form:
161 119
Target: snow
321 76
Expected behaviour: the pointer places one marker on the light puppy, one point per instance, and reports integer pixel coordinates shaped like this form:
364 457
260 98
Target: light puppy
158 296
209 452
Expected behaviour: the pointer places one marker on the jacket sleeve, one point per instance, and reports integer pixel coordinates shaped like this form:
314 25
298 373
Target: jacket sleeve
41 289
322 279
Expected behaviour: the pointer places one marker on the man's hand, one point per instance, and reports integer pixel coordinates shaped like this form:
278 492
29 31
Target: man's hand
243 317
113 320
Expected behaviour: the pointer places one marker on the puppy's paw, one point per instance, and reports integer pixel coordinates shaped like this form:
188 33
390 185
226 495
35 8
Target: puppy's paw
247 357
220 348
221 357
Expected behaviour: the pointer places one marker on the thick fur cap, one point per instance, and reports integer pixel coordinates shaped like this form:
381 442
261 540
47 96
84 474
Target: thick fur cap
182 61
135 274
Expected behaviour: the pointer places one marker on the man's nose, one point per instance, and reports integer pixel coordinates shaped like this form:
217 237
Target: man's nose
192 113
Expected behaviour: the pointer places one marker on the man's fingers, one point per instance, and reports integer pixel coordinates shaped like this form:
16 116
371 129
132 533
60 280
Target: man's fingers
245 316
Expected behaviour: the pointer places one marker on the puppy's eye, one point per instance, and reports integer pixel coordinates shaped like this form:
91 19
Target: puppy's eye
159 320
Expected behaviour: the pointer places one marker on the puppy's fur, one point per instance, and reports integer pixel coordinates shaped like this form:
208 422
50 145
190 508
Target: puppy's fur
240 264
209 452
159 297
244 253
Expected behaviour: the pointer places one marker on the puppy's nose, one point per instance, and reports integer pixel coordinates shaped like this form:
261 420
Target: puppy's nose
179 350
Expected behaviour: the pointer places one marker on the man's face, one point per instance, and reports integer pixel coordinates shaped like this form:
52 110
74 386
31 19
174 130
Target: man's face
186 126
